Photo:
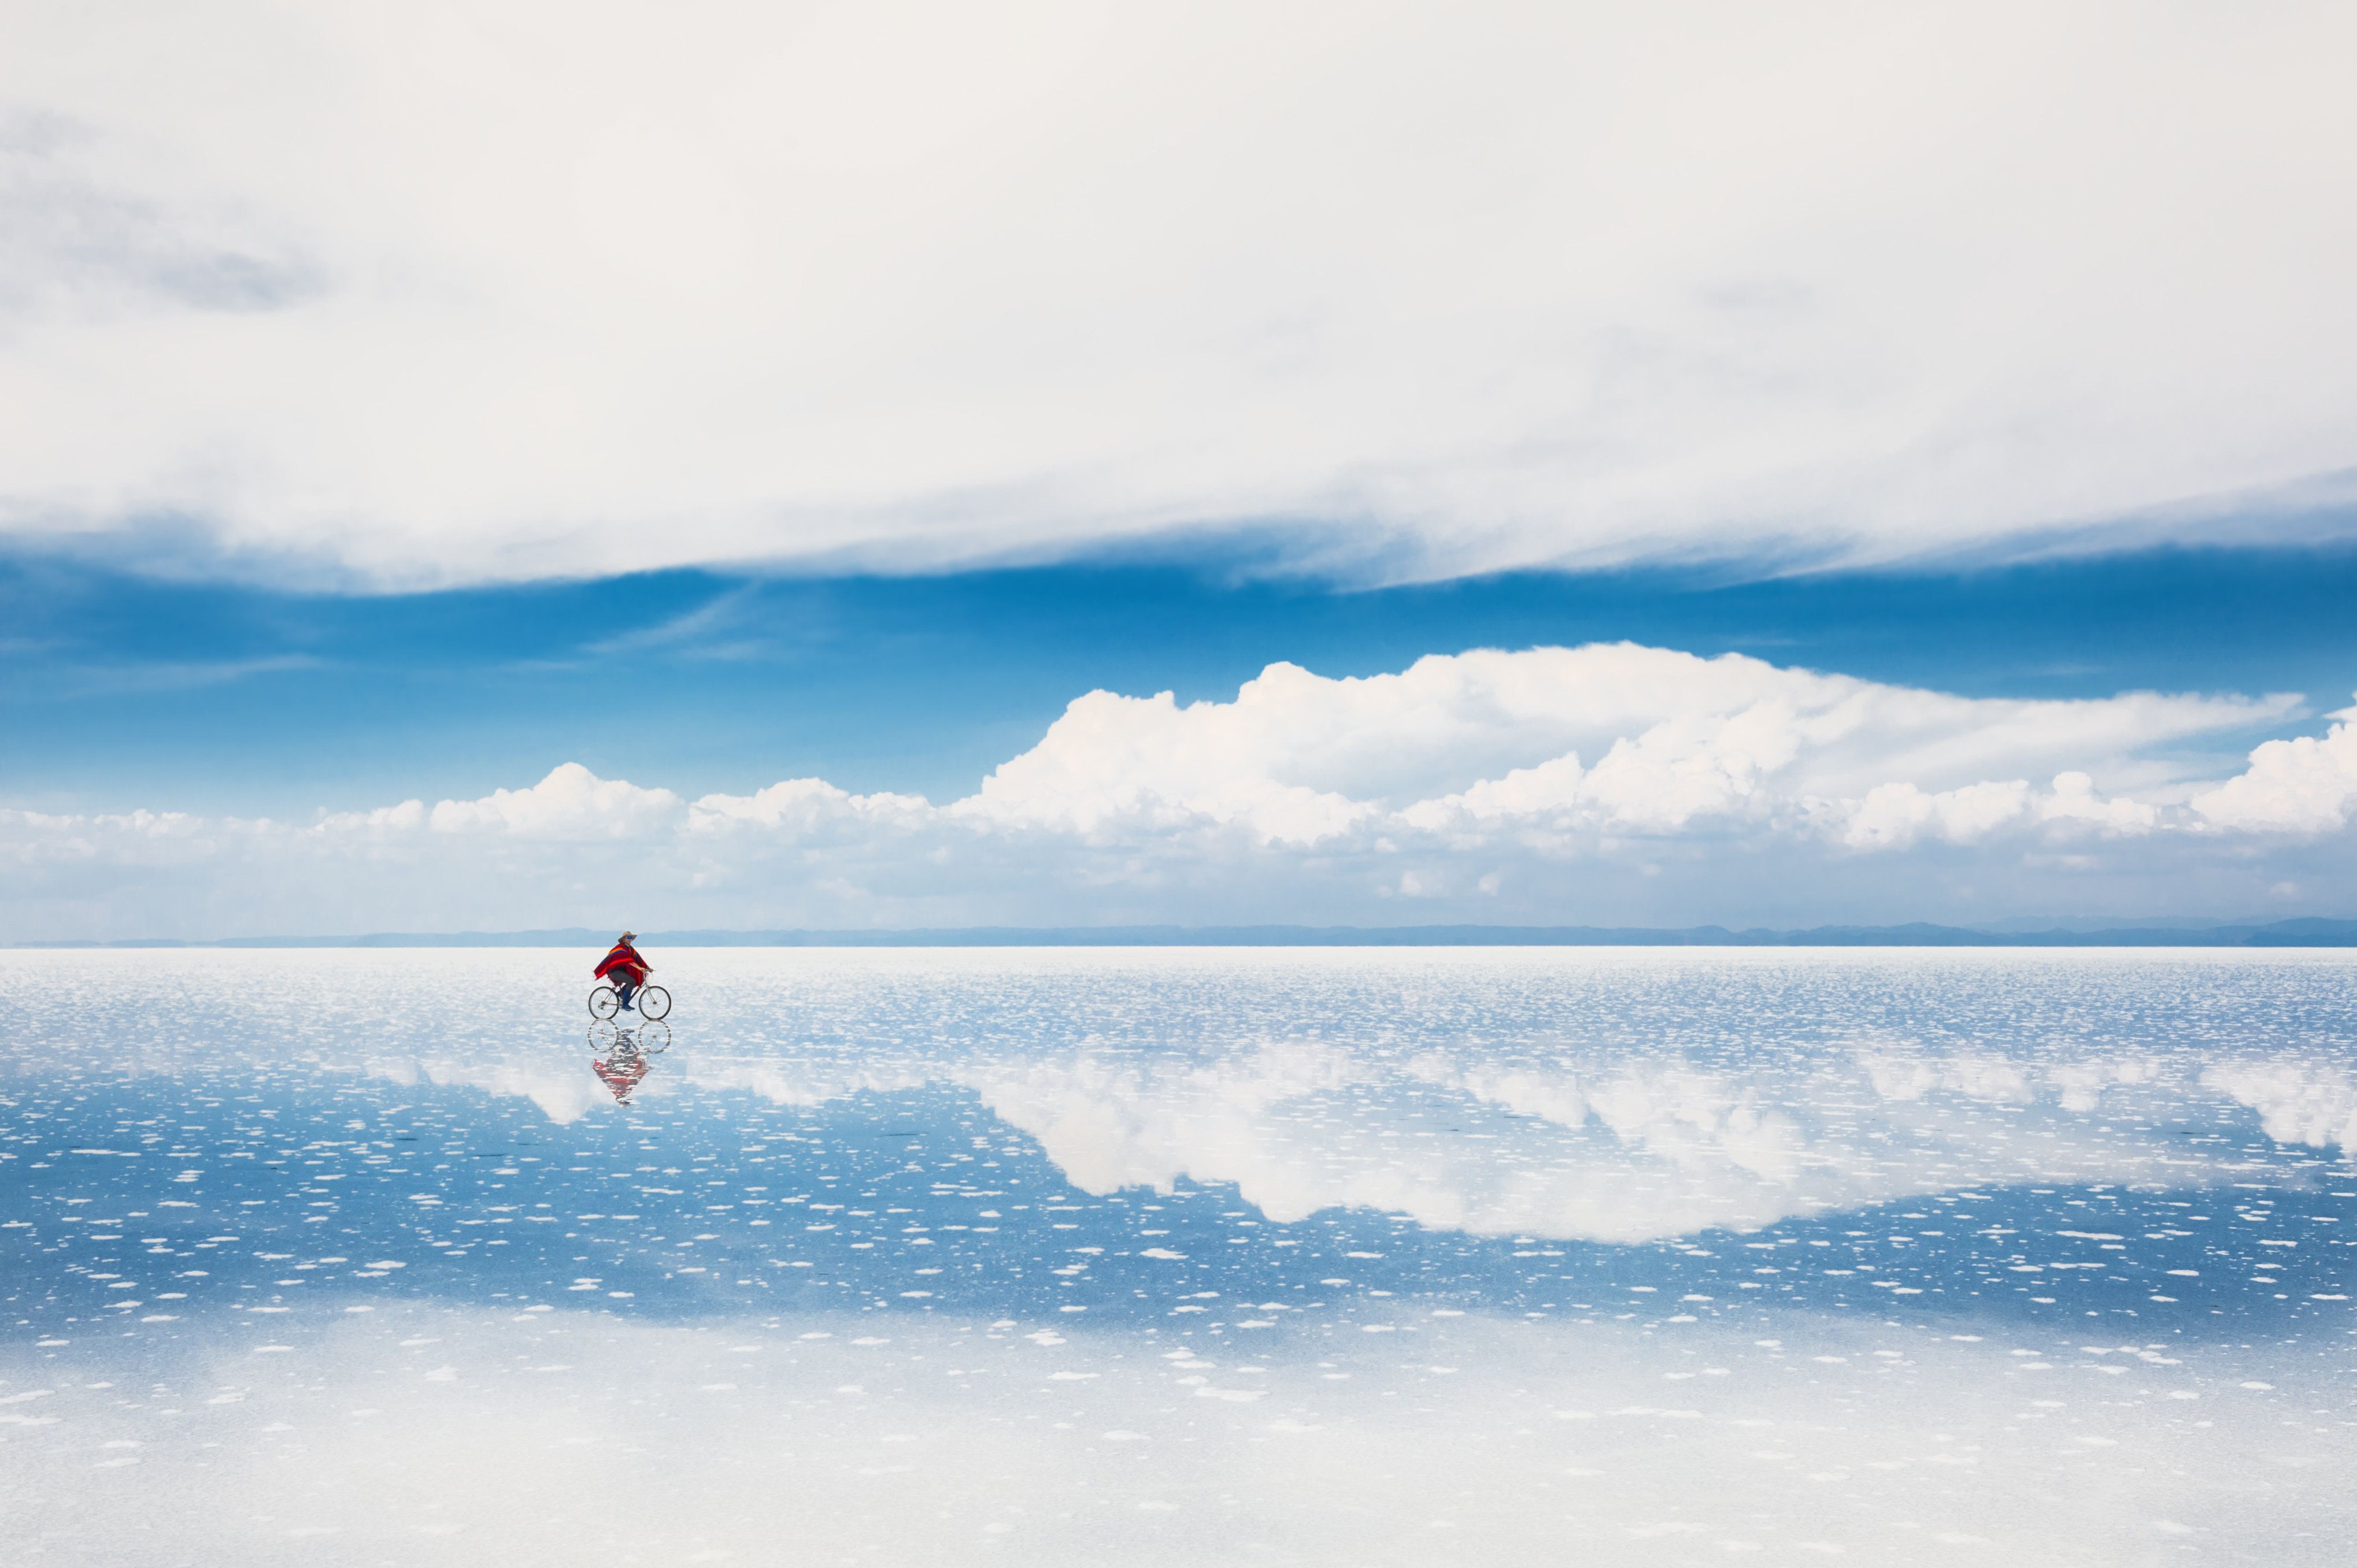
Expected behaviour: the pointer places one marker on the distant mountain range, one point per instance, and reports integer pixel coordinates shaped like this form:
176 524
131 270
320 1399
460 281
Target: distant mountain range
2076 933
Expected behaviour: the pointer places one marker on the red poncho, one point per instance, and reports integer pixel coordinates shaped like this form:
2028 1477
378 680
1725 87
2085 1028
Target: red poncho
624 958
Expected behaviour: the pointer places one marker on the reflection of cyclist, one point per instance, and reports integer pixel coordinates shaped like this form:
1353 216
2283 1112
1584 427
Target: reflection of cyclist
621 1073
625 967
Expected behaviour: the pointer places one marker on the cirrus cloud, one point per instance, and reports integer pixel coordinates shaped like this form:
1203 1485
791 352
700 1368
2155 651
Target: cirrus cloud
444 292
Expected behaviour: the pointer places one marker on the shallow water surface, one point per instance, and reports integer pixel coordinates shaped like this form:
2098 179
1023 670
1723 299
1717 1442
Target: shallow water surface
1302 1256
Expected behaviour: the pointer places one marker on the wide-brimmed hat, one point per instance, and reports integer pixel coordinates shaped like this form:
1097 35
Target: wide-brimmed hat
628 936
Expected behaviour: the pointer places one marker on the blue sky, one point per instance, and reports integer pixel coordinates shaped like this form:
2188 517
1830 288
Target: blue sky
605 732
255 699
484 466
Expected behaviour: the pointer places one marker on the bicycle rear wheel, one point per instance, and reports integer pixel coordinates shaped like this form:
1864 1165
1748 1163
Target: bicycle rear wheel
653 1001
604 1004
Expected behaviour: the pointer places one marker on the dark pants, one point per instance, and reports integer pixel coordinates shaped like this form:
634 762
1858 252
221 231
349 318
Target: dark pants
625 988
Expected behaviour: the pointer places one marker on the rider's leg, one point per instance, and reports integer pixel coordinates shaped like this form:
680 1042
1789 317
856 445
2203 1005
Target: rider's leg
625 987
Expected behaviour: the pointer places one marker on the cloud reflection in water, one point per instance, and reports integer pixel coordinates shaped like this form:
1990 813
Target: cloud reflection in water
1693 1240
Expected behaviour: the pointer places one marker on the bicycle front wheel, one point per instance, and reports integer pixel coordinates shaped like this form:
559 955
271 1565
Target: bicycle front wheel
653 1003
604 1004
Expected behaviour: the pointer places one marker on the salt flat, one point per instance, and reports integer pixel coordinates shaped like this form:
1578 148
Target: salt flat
1309 1256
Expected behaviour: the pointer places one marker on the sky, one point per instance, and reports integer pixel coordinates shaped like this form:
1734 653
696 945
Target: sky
487 466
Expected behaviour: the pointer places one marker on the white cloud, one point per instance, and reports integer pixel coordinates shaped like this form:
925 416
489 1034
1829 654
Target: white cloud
571 802
1489 737
1113 759
449 291
2305 785
803 805
1894 814
2074 799
1718 784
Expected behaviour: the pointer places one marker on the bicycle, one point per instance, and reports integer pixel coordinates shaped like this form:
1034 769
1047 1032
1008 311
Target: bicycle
652 1002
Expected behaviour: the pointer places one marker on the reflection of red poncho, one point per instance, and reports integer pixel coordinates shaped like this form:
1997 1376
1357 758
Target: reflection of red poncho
626 958
623 1078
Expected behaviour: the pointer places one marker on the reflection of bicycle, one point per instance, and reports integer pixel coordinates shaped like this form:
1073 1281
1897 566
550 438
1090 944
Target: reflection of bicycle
644 1039
652 1003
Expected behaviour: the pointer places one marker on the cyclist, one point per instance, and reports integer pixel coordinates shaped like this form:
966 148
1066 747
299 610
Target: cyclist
626 968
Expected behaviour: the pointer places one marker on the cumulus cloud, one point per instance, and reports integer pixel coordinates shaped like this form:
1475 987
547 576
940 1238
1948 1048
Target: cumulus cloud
571 802
1489 737
453 291
804 805
2304 785
1507 785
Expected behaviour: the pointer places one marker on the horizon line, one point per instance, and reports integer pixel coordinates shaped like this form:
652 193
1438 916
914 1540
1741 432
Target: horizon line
2299 931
